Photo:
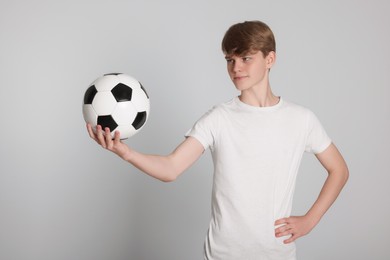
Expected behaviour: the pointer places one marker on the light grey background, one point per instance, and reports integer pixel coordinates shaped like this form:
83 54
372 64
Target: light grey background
62 197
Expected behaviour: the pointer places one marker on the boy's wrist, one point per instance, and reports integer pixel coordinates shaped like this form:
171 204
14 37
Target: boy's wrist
127 155
313 217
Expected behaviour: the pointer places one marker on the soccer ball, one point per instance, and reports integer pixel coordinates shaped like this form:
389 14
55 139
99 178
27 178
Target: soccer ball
117 101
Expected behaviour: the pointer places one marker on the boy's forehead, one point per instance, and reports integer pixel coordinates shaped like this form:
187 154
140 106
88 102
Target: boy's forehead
250 52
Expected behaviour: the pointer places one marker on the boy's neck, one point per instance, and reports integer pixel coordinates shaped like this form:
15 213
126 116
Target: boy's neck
259 98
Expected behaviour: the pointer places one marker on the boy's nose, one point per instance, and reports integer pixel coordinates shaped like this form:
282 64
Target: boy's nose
237 66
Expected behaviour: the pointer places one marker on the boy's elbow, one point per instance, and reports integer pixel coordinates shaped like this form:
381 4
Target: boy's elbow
343 174
170 176
346 174
172 171
168 179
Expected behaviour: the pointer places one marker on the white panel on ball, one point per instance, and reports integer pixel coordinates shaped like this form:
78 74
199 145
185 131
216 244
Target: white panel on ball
104 103
89 114
141 104
124 113
126 131
106 83
128 80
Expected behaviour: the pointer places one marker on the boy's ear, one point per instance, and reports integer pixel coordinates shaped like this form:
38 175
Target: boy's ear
271 58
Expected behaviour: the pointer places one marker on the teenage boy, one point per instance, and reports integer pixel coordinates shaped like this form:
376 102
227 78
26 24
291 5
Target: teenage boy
257 141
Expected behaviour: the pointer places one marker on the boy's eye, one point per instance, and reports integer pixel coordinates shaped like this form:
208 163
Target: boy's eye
229 60
246 58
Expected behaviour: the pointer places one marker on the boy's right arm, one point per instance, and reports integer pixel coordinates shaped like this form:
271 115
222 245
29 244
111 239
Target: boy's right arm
165 168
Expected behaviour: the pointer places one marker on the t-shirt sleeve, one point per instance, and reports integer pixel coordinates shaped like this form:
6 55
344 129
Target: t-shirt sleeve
204 130
317 139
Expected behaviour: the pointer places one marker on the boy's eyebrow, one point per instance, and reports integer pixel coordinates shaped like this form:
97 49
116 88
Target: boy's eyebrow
247 53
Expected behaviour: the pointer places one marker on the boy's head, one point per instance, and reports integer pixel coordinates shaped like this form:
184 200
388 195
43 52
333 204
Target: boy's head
247 37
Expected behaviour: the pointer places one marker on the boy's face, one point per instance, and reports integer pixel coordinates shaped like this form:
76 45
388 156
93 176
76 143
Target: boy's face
249 70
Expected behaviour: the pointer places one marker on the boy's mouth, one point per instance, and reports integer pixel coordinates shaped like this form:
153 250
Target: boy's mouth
239 77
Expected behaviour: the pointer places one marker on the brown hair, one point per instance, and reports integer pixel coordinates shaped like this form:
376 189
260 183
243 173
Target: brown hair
249 36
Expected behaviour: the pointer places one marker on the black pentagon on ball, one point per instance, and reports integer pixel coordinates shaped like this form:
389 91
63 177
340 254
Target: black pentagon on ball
122 92
114 74
90 94
139 120
107 121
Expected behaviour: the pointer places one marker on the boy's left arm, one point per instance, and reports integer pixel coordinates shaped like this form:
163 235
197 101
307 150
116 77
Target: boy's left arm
338 173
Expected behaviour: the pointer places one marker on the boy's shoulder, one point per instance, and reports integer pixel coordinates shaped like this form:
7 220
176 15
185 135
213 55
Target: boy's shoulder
219 107
295 106
300 112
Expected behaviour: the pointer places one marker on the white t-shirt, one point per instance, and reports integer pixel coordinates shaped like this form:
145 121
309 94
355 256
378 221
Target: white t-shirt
256 153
